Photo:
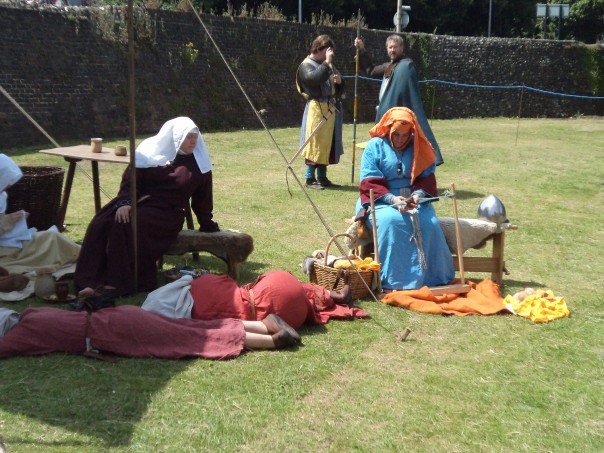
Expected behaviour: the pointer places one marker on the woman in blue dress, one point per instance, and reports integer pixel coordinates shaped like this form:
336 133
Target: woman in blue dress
398 164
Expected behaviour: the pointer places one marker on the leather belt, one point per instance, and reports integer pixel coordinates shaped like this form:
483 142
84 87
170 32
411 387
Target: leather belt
252 304
90 351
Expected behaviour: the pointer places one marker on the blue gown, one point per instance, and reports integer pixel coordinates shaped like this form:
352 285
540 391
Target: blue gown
398 252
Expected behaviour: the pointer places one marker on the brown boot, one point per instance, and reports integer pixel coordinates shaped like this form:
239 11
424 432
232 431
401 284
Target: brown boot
343 296
275 324
13 282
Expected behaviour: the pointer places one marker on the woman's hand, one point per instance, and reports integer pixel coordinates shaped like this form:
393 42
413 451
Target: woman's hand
410 203
18 215
122 215
398 200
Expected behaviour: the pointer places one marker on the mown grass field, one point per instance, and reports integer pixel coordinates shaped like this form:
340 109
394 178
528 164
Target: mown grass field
498 383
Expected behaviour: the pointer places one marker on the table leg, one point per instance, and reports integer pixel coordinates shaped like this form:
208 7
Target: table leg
96 186
66 194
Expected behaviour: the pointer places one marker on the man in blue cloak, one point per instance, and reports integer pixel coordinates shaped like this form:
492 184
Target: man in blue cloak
399 84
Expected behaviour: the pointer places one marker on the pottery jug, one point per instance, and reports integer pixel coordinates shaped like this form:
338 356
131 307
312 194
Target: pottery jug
45 284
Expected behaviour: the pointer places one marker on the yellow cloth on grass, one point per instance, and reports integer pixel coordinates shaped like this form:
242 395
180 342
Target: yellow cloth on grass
542 306
366 264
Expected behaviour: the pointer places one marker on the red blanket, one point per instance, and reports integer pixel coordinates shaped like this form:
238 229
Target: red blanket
484 298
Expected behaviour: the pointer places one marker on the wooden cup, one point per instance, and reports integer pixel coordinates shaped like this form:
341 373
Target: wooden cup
96 145
120 150
62 290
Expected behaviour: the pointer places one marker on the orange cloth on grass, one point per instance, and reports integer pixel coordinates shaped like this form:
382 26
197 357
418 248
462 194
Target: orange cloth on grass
484 298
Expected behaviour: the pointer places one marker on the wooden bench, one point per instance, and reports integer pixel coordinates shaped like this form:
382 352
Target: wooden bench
233 247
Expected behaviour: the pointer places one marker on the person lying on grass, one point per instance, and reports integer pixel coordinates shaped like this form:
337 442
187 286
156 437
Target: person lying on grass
276 292
130 331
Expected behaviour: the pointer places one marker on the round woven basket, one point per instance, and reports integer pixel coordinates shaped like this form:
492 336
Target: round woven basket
334 279
39 193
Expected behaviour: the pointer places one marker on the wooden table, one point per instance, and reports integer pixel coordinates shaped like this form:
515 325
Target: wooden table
75 154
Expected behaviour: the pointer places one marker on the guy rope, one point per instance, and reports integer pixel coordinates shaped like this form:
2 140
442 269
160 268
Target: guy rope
44 132
398 334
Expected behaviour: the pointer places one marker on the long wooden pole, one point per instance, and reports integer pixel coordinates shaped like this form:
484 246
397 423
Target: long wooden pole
376 253
458 237
356 81
132 124
460 288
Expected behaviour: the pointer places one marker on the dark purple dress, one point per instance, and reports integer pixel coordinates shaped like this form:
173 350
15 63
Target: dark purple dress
107 254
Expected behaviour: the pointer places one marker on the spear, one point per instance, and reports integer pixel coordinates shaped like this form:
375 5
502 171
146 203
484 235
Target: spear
356 80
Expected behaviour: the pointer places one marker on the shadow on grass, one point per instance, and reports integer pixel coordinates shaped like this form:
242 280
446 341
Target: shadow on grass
463 194
93 399
522 283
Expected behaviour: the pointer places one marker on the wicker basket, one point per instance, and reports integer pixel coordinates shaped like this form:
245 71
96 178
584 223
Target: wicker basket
334 279
39 193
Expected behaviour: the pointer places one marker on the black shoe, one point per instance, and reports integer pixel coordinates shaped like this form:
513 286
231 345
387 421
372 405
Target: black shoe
209 227
102 298
326 182
275 324
284 339
312 183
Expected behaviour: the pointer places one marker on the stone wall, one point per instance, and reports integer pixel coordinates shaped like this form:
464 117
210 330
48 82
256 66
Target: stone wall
68 69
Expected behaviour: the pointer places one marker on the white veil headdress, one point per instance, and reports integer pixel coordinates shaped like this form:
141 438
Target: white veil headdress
160 149
10 173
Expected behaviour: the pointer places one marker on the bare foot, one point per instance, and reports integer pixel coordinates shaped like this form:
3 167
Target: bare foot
86 292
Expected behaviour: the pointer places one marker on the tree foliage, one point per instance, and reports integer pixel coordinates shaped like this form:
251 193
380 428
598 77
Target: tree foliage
586 21
508 18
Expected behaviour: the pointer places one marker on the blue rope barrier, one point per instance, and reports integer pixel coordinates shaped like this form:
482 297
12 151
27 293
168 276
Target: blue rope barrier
504 87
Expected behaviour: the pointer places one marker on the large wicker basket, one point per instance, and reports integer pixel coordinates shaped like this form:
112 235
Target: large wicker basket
334 279
39 193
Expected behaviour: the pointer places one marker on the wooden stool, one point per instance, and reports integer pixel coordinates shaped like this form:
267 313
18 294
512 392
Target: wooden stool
232 247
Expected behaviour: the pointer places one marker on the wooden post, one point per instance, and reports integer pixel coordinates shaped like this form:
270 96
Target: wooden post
461 288
458 237
376 253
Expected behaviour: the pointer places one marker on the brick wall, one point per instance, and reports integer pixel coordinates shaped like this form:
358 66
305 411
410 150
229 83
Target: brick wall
68 69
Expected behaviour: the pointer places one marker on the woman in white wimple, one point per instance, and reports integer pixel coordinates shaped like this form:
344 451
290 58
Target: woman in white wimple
25 250
172 168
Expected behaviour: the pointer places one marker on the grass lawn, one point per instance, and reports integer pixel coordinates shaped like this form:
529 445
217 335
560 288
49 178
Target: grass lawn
497 383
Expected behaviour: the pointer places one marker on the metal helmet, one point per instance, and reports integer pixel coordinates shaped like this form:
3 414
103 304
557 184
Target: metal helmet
493 210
